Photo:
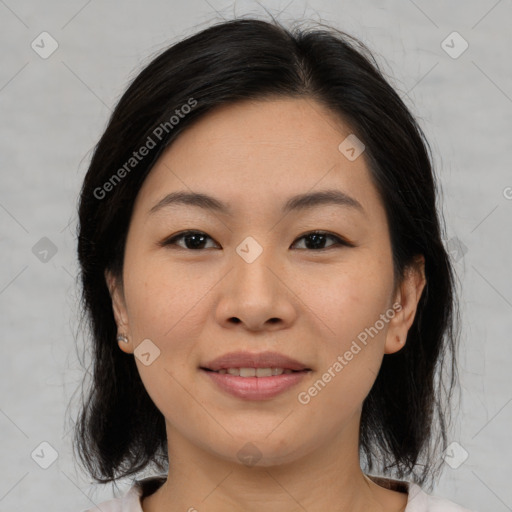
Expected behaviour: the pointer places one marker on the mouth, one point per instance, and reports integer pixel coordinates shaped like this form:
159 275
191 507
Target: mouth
255 372
254 384
250 364
254 376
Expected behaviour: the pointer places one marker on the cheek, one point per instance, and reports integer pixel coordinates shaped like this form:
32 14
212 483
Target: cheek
352 299
166 308
350 310
170 308
161 300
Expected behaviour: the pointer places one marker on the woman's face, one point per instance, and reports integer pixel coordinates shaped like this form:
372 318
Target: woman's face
256 282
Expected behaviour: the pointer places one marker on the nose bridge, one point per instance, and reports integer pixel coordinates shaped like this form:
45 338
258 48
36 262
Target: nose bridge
253 293
253 264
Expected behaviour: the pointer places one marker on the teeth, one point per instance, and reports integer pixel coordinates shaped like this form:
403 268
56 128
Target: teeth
254 372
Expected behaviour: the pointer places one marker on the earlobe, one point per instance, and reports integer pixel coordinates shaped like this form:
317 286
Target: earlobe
408 296
124 343
397 333
120 314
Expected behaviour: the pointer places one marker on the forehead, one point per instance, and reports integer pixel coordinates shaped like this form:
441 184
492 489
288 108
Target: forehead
256 154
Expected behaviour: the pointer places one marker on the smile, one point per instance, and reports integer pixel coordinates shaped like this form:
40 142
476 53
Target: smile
255 383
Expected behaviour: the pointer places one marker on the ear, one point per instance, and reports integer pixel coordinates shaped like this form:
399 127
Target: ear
407 296
119 308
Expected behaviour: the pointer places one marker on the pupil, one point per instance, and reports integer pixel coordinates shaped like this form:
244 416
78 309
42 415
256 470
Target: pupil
317 239
198 243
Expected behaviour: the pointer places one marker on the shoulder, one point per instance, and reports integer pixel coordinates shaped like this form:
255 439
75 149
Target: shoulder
420 501
130 501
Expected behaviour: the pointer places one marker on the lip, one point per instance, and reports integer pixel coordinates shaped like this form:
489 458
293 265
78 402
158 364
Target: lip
243 359
255 388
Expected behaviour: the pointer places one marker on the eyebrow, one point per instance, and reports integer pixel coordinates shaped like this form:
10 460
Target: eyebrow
296 203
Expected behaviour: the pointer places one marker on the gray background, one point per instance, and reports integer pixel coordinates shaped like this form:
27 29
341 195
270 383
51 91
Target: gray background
53 111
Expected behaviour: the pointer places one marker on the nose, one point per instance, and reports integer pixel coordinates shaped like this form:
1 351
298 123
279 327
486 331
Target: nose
257 295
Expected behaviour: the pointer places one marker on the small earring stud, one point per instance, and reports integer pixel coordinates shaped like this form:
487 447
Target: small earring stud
123 338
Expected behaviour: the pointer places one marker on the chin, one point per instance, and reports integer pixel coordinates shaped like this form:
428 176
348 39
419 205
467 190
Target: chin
263 451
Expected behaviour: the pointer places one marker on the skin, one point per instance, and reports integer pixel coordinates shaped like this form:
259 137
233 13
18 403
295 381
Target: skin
254 155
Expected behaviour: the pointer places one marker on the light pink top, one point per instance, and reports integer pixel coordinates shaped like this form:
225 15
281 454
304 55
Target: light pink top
418 500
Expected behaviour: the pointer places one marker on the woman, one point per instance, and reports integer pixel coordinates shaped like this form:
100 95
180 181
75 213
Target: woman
259 233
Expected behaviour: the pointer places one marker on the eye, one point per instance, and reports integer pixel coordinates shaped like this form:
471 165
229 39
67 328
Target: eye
317 240
195 240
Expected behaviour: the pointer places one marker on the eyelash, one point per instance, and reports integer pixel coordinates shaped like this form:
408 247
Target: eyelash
340 241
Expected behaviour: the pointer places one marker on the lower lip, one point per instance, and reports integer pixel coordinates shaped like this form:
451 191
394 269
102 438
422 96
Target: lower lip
255 388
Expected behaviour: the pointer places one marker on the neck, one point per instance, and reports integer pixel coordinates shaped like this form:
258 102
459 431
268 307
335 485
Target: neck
327 478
